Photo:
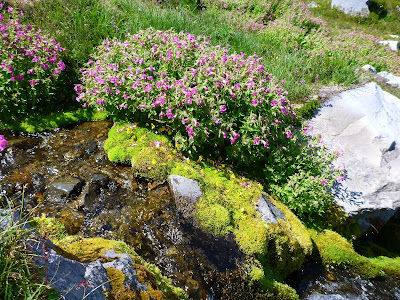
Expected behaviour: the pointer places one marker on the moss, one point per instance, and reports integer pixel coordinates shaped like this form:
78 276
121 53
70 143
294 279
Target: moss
391 266
54 120
153 163
126 139
335 251
289 244
118 290
251 236
214 218
53 228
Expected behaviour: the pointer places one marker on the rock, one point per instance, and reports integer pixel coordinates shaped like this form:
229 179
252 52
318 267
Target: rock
72 219
352 7
124 263
65 275
369 68
393 45
393 36
363 123
392 79
63 189
312 4
186 193
8 217
269 213
90 146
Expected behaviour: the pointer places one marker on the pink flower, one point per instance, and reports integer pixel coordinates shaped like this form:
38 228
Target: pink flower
274 103
288 134
3 143
324 182
222 108
256 140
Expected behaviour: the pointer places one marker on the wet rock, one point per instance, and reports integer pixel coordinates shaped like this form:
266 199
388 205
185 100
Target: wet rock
63 189
186 193
352 7
393 45
65 275
90 146
92 199
100 179
72 219
123 262
363 123
8 217
269 213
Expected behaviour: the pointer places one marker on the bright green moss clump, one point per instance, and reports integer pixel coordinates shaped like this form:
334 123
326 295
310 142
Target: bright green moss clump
336 251
125 140
214 218
289 244
251 235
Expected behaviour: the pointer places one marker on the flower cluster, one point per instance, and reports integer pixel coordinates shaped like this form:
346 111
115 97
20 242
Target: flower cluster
206 96
3 143
29 64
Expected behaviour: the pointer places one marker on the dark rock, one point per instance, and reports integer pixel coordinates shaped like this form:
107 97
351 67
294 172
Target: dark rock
90 146
124 263
186 193
269 213
72 219
63 189
100 179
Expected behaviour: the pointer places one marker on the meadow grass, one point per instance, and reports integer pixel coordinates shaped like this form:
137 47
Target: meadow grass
81 25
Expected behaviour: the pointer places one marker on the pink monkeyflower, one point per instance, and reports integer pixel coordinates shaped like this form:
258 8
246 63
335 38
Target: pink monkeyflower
218 121
222 108
288 134
274 103
324 182
3 143
256 140
10 69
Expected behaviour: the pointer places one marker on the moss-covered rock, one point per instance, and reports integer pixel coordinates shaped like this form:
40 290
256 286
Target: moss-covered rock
92 249
289 242
214 218
153 163
125 140
335 251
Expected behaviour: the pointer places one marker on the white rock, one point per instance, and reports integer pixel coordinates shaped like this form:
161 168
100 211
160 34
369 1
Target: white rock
392 79
364 124
393 45
393 36
312 4
352 7
369 68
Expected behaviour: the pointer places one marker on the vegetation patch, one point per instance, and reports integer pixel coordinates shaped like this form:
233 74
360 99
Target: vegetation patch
335 251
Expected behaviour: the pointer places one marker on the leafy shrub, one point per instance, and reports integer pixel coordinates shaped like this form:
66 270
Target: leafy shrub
210 100
29 66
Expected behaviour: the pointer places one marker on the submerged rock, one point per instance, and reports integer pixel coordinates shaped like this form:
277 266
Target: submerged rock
186 193
364 125
63 189
352 7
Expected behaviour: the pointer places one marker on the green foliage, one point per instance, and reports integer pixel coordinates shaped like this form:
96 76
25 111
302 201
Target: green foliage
153 163
126 140
49 227
308 109
30 67
336 251
17 271
55 120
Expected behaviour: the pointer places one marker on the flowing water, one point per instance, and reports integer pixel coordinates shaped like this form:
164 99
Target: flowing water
67 175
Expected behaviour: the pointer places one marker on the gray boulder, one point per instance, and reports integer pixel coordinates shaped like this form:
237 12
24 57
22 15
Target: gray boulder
269 213
352 7
369 68
393 45
392 79
364 125
123 262
186 193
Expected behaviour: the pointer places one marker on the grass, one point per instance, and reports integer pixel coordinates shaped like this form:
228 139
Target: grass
83 24
18 276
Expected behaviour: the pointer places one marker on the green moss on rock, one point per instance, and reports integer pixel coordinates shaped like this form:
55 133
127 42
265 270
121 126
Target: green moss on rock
91 249
126 139
335 251
289 243
153 163
214 217
251 236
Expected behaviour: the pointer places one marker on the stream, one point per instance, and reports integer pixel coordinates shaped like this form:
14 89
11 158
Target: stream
66 175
